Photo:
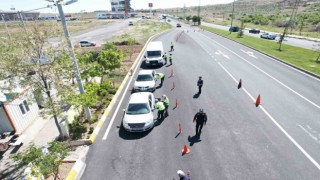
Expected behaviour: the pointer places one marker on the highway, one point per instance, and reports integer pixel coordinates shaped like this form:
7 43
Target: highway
279 139
303 43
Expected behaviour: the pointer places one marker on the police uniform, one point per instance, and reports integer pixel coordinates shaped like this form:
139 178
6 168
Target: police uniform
160 107
161 77
166 103
201 119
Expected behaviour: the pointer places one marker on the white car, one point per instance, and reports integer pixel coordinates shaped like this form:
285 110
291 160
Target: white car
145 81
87 44
139 113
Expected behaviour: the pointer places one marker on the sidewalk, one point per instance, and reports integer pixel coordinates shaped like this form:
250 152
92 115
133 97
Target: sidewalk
40 132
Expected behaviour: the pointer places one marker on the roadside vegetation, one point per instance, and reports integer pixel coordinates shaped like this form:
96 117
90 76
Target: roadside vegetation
303 58
270 15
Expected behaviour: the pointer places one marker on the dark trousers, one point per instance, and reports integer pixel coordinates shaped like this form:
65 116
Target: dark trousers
165 60
199 128
199 92
166 109
172 48
160 114
162 79
170 60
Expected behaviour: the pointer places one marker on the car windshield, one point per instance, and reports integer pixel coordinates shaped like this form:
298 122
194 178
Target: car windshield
144 77
154 53
141 108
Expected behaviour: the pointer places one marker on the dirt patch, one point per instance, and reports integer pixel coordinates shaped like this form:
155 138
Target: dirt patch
64 170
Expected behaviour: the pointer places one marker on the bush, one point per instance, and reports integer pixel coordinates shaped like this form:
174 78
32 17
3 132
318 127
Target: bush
76 129
92 120
91 130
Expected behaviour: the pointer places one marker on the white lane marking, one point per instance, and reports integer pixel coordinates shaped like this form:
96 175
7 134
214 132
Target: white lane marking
220 53
295 92
275 122
120 102
249 53
313 136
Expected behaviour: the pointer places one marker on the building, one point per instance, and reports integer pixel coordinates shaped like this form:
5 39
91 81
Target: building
120 6
14 15
17 110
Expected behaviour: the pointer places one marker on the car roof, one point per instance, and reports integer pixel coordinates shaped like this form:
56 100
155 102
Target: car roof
145 72
140 97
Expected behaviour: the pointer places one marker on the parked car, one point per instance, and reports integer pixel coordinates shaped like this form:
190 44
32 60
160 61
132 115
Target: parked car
130 23
268 36
254 31
234 29
145 81
87 44
178 25
138 115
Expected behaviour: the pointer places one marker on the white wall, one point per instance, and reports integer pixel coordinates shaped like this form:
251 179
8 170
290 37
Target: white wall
20 120
5 125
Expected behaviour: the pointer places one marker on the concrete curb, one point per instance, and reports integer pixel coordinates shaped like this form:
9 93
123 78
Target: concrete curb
274 58
77 170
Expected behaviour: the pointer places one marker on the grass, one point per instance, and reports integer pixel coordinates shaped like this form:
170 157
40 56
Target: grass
300 57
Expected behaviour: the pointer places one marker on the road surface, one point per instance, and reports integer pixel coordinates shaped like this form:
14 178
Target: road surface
280 139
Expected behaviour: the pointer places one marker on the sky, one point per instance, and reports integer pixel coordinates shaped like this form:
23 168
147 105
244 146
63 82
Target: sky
93 5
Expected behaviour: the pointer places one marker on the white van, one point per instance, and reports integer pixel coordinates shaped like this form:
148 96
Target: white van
154 54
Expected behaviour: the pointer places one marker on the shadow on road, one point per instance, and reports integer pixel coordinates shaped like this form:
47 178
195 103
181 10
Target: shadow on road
131 135
195 96
194 139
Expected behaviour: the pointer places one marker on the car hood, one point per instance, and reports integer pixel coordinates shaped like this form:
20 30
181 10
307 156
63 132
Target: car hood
145 83
140 118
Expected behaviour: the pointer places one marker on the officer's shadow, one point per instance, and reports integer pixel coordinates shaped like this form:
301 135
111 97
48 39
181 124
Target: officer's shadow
194 139
195 96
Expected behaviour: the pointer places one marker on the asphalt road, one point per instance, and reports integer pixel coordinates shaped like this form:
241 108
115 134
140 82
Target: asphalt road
280 139
288 40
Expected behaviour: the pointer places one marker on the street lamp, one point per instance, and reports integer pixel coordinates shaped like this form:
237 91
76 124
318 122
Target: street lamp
232 16
71 49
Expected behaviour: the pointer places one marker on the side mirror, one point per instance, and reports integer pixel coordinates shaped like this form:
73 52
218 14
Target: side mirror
144 56
124 110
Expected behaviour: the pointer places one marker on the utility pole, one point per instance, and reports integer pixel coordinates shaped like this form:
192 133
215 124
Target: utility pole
73 56
287 25
232 15
199 8
184 11
5 24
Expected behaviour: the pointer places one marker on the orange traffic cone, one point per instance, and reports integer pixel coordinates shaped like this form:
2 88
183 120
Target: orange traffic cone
185 150
173 86
179 130
176 103
258 101
172 72
240 84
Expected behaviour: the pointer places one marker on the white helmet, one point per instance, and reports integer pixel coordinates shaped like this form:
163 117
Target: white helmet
181 173
164 96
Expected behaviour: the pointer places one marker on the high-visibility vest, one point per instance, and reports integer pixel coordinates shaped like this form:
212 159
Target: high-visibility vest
160 106
160 75
166 101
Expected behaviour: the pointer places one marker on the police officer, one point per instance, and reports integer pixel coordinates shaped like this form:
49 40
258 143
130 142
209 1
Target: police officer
170 58
172 49
201 119
165 57
166 103
199 84
160 107
160 76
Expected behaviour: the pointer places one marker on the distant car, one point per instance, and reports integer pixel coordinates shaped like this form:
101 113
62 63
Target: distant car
138 115
130 23
254 31
87 44
169 20
234 29
178 25
268 36
145 81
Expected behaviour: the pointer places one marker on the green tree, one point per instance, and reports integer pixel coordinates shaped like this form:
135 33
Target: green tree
196 19
301 21
44 162
188 18
109 60
37 63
